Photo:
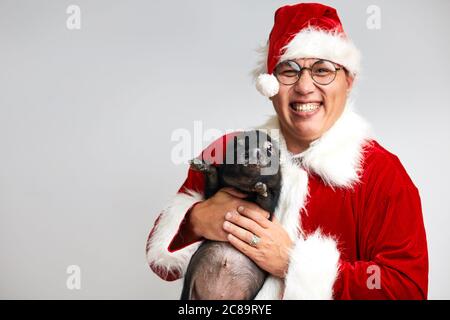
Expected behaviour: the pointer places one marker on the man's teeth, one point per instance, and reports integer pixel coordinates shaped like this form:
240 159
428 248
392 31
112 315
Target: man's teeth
305 106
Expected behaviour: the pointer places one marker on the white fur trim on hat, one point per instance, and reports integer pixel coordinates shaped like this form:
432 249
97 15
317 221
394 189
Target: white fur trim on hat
333 46
267 85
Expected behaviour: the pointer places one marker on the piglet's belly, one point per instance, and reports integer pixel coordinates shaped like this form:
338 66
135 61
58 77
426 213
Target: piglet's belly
222 272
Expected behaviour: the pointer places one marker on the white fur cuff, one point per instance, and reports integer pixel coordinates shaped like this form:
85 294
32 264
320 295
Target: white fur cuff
168 225
313 269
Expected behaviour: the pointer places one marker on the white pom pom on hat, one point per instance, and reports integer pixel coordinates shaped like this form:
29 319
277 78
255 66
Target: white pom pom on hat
267 85
305 30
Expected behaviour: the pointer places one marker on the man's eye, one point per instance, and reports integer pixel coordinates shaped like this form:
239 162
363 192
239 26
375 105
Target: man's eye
289 73
268 146
322 71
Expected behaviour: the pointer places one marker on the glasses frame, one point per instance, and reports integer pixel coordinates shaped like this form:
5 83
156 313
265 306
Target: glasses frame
299 73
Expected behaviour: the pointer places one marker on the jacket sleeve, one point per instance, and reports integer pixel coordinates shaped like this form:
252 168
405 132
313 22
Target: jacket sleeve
168 252
392 260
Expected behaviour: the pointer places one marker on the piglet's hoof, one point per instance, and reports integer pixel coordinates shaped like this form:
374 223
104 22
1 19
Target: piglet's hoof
261 189
199 165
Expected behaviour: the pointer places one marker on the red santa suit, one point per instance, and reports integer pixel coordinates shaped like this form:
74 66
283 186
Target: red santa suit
349 204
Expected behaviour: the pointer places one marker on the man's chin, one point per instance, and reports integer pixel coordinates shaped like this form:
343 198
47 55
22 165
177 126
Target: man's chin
307 133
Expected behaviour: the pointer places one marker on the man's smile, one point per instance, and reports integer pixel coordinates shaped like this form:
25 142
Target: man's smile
306 108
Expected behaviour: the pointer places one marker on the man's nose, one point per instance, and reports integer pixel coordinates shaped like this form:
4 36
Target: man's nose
305 84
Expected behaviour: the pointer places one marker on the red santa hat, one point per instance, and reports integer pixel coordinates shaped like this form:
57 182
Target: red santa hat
305 30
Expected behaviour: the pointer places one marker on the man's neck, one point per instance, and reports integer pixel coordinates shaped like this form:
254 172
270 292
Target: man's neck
295 146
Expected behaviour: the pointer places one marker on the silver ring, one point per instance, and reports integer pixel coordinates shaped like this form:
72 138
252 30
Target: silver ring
255 240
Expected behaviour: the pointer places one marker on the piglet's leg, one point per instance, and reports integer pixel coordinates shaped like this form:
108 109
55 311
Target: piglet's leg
212 182
211 175
265 197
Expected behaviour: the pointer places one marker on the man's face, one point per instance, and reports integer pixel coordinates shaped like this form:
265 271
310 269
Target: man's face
296 105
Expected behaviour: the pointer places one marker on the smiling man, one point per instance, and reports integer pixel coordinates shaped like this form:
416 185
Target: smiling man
348 224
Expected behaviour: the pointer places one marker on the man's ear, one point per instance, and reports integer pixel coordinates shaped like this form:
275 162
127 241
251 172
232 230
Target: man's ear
350 79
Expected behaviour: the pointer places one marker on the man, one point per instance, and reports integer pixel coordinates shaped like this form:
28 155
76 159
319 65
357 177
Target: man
349 222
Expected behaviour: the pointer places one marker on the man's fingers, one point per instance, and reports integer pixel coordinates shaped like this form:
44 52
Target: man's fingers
259 216
247 204
246 223
254 207
240 233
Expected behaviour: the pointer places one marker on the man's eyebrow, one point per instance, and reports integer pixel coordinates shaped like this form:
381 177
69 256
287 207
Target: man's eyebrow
310 60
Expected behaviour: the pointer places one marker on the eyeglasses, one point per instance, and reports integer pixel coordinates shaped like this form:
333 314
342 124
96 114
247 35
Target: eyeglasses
323 72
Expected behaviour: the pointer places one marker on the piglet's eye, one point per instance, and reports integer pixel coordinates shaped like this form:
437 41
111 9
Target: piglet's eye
268 146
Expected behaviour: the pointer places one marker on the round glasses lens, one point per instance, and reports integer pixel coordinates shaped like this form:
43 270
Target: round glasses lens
323 72
287 72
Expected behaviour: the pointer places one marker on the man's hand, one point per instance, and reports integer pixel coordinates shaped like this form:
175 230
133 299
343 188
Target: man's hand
207 217
271 253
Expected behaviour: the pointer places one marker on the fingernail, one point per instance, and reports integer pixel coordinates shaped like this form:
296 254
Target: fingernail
240 208
226 224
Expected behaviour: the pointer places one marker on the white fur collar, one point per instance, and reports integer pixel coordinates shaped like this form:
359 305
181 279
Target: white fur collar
336 156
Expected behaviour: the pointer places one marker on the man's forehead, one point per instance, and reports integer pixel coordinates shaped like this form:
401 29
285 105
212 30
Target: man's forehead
306 61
